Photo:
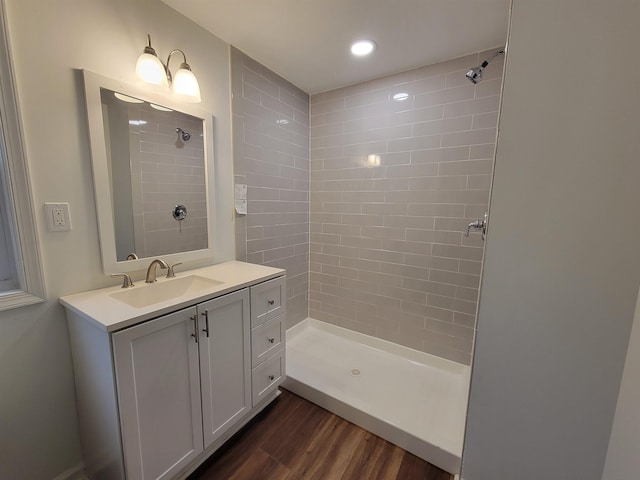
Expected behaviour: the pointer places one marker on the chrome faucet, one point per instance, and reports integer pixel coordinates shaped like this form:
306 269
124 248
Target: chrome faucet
151 271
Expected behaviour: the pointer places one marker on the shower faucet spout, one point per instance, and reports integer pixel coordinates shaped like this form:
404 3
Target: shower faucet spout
478 224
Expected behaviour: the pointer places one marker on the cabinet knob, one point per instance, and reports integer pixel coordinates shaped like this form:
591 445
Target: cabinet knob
271 340
271 302
271 378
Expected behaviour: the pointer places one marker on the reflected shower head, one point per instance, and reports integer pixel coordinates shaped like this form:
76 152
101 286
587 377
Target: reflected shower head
475 74
185 136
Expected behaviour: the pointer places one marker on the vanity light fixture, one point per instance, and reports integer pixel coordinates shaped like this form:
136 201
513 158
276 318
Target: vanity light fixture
150 69
362 48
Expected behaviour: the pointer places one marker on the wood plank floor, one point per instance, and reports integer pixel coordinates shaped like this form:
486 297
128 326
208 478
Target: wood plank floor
293 439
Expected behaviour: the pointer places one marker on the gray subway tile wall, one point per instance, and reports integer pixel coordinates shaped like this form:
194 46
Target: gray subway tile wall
271 156
394 183
165 172
365 201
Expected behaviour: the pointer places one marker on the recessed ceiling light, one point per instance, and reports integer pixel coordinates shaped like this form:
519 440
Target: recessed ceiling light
399 97
362 47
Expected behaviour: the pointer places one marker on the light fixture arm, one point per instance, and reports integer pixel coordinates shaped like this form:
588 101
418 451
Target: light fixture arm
184 63
148 48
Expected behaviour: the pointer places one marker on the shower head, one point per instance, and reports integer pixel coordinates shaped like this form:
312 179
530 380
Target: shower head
475 74
185 136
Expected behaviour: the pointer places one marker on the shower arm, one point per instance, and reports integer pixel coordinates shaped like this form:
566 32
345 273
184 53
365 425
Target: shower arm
488 60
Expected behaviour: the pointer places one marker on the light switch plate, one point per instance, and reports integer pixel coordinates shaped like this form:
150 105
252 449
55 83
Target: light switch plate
58 218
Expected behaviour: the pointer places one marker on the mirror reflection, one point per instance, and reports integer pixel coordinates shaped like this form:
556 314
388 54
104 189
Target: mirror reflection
156 164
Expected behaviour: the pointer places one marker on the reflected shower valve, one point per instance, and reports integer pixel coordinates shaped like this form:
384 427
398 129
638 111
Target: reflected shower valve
179 212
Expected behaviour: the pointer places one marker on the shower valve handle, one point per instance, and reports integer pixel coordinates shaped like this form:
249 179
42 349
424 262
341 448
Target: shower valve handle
479 225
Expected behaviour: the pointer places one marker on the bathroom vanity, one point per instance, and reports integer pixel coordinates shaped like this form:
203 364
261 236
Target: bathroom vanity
166 372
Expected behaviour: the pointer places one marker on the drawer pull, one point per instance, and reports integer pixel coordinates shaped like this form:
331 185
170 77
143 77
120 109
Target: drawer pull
271 378
271 302
271 340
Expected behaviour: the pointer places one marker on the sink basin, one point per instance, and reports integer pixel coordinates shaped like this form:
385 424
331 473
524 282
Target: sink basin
152 293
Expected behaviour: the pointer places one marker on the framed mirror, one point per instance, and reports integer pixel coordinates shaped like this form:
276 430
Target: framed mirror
151 158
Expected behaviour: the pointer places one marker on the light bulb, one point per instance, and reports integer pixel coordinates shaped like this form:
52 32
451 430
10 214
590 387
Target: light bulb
362 48
185 85
149 69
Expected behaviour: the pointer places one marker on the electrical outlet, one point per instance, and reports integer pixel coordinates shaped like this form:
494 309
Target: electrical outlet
58 219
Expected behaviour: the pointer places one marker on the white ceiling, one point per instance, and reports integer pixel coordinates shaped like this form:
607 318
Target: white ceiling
307 41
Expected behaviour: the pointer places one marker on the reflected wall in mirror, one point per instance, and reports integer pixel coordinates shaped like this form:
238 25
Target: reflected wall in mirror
149 157
156 161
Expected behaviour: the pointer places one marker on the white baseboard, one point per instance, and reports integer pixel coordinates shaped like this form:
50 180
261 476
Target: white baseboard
74 473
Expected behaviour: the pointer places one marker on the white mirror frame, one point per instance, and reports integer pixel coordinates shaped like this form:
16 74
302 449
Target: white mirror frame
102 188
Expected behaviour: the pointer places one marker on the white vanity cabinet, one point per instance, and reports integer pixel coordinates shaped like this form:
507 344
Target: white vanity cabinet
159 395
225 362
158 379
268 304
183 379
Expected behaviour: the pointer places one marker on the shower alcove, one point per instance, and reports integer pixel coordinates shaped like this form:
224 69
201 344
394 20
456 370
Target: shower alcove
364 194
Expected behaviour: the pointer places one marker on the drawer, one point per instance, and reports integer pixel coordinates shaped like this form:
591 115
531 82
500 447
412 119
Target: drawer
268 300
267 338
267 376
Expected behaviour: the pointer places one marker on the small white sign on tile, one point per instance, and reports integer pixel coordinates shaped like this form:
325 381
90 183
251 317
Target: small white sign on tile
241 191
241 199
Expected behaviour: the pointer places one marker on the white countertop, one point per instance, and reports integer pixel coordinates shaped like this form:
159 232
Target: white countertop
110 314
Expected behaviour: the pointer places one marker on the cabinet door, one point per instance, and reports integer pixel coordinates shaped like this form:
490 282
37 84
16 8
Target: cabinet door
225 363
158 386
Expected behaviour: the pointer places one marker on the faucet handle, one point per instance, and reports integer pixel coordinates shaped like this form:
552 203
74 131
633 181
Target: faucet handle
126 280
170 272
479 225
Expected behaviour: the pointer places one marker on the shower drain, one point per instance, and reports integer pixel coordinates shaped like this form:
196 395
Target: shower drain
355 372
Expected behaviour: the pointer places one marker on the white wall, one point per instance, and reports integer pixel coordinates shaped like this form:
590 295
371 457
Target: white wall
562 262
622 456
50 41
